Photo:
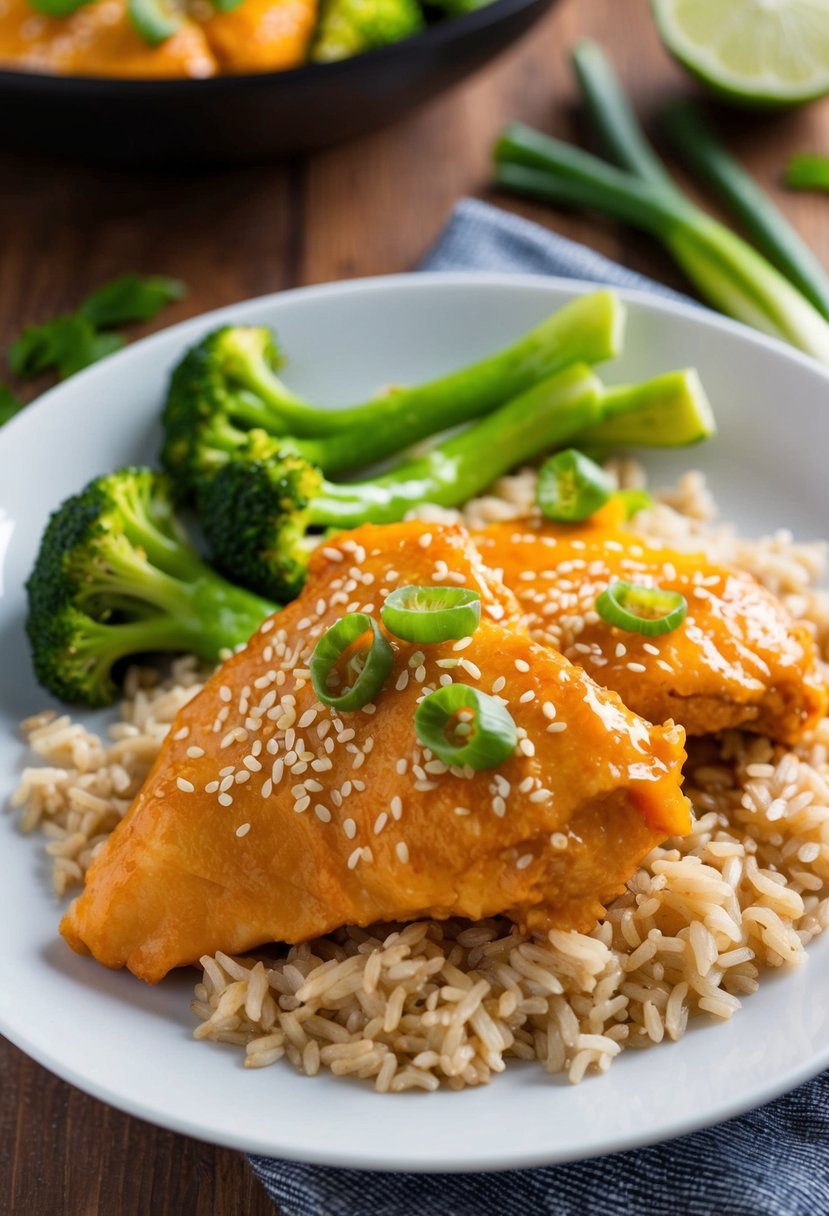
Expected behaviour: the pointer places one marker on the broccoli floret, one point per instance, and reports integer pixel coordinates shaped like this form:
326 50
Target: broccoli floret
225 385
349 27
255 513
115 576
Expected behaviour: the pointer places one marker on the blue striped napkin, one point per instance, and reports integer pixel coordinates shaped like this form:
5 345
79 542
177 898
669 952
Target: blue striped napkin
771 1162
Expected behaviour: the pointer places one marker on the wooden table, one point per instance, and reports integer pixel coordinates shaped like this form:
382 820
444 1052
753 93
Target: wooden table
368 208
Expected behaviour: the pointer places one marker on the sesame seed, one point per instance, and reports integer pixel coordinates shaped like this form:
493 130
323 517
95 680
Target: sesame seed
471 668
548 710
267 788
322 813
649 648
462 643
558 840
268 626
448 662
227 782
425 786
522 665
417 659
354 858
401 766
499 684
358 760
636 667
526 785
380 822
524 861
402 851
252 763
277 770
621 650
350 828
527 696
425 540
211 787
322 764
242 776
462 810
182 733
396 806
333 555
445 680
313 786
329 746
302 804
243 829
359 785
194 752
420 674
527 747
555 727
499 806
225 800
345 789
541 795
185 786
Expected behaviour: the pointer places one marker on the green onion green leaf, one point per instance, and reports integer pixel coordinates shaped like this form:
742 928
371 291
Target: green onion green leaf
635 501
339 656
808 171
431 614
463 726
638 609
57 8
571 487
154 20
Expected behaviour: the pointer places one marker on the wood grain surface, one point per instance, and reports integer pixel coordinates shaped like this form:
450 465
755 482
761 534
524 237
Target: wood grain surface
367 208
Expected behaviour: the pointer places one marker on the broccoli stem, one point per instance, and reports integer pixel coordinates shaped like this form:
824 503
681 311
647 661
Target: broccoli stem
572 404
588 330
669 411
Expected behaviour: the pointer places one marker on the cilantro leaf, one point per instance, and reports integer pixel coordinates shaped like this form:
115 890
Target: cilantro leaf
9 404
132 297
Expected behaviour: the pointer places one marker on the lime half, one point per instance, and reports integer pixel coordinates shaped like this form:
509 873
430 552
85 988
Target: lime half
759 52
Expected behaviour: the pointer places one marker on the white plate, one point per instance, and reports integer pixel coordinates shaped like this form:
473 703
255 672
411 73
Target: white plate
129 1044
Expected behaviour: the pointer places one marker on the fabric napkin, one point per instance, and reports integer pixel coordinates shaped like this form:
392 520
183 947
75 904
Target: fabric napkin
771 1162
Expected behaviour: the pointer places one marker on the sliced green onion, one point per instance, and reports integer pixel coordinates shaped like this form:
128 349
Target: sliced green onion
368 669
154 20
431 614
57 8
465 727
635 501
571 487
638 609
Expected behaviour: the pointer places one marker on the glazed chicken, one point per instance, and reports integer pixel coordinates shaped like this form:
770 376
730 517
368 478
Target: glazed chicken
270 817
738 660
98 39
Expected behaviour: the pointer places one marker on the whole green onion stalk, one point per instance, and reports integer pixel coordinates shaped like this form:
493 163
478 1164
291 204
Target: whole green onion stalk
728 272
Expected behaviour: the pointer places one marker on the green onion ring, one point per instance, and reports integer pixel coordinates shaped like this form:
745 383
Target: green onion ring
333 645
431 614
571 487
493 737
154 20
638 609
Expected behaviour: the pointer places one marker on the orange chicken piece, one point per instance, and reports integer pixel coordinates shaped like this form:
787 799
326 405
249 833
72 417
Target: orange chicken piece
97 40
738 660
262 35
268 816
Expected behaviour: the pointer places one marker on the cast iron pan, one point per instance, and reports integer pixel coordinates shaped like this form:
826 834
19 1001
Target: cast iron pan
251 118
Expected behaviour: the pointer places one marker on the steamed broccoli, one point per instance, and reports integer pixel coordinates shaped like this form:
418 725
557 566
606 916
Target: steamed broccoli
349 27
114 577
228 385
258 508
